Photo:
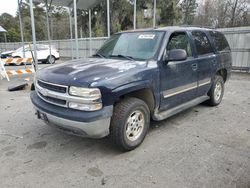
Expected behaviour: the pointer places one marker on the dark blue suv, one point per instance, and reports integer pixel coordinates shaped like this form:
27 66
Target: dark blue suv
134 77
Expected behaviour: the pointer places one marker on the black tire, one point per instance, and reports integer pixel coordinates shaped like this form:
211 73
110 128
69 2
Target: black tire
53 59
32 87
119 123
214 98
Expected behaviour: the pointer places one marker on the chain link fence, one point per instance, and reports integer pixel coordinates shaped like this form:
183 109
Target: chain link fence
239 41
86 49
238 38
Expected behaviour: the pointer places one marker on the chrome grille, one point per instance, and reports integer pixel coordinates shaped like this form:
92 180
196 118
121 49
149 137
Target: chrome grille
53 100
57 88
58 94
52 93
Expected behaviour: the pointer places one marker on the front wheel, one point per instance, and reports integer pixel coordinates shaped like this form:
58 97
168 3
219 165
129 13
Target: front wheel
216 91
129 123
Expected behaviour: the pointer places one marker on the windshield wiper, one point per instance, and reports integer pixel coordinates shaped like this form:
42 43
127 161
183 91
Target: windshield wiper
99 55
123 56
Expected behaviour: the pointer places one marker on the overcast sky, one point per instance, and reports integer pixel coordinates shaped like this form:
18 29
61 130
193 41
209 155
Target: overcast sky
9 6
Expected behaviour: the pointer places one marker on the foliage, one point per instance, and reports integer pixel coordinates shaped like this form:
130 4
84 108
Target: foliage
188 10
223 13
217 13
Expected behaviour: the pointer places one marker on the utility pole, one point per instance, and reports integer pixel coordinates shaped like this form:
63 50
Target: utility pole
154 18
134 14
21 24
108 18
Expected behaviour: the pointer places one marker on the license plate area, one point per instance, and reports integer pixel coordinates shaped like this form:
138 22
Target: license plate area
42 116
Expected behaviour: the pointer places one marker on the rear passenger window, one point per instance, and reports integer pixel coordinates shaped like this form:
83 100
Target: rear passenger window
202 43
41 47
220 41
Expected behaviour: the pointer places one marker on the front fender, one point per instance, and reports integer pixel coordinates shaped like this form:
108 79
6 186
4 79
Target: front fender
116 93
135 81
130 87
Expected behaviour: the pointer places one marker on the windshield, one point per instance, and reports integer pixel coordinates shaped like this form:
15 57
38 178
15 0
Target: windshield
26 48
133 45
19 49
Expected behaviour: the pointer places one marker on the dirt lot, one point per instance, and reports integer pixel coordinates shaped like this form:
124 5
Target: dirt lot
201 147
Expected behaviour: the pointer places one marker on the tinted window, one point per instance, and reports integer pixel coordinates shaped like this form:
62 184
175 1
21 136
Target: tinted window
21 49
220 41
202 43
41 47
179 41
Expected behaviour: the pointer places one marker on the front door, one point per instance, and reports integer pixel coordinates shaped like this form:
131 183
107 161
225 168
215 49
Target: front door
179 79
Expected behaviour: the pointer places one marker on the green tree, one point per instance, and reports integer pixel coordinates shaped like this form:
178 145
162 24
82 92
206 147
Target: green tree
170 12
188 10
13 35
9 22
223 13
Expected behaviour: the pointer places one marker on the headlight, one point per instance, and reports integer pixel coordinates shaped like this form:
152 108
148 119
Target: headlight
91 98
93 93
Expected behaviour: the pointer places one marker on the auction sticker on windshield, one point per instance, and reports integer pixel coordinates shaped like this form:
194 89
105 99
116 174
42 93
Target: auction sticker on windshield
146 36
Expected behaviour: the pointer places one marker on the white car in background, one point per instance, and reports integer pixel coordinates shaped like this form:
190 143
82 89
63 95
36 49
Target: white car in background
43 53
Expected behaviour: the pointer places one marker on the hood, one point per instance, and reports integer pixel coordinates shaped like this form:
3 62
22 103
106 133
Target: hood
84 72
7 52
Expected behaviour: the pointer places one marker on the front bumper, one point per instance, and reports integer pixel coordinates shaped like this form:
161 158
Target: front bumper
86 124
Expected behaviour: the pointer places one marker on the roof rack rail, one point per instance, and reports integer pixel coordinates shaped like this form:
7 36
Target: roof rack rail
202 26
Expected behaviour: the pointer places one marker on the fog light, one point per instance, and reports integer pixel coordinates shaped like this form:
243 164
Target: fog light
85 107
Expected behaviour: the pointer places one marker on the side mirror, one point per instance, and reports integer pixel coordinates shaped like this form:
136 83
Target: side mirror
176 55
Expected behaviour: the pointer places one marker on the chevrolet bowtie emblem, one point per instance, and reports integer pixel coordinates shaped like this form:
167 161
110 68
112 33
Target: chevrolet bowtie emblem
44 92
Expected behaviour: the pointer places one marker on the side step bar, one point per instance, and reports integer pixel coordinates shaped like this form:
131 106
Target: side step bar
158 116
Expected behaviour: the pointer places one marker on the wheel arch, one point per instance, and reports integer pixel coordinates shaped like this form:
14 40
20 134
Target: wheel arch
140 91
145 95
222 72
51 56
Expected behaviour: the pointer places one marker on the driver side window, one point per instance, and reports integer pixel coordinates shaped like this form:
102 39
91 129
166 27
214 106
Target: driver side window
179 41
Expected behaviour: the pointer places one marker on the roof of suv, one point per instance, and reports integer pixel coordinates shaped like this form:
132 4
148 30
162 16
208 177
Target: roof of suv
172 28
183 27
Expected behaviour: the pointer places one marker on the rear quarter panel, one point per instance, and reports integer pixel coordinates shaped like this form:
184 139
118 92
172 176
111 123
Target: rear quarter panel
224 58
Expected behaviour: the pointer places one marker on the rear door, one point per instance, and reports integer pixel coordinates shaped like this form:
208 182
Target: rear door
178 78
205 59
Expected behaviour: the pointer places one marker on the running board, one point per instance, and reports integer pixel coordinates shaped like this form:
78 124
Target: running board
158 116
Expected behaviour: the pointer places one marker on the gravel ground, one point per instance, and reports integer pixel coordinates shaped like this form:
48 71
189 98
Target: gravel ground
201 147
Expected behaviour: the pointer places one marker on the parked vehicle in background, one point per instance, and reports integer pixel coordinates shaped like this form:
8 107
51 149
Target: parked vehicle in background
43 53
134 77
6 54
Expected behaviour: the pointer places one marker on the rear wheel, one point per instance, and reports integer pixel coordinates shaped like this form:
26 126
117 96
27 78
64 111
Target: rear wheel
51 59
129 123
216 91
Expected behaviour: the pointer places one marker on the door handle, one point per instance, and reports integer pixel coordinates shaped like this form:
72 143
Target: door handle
194 66
214 62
